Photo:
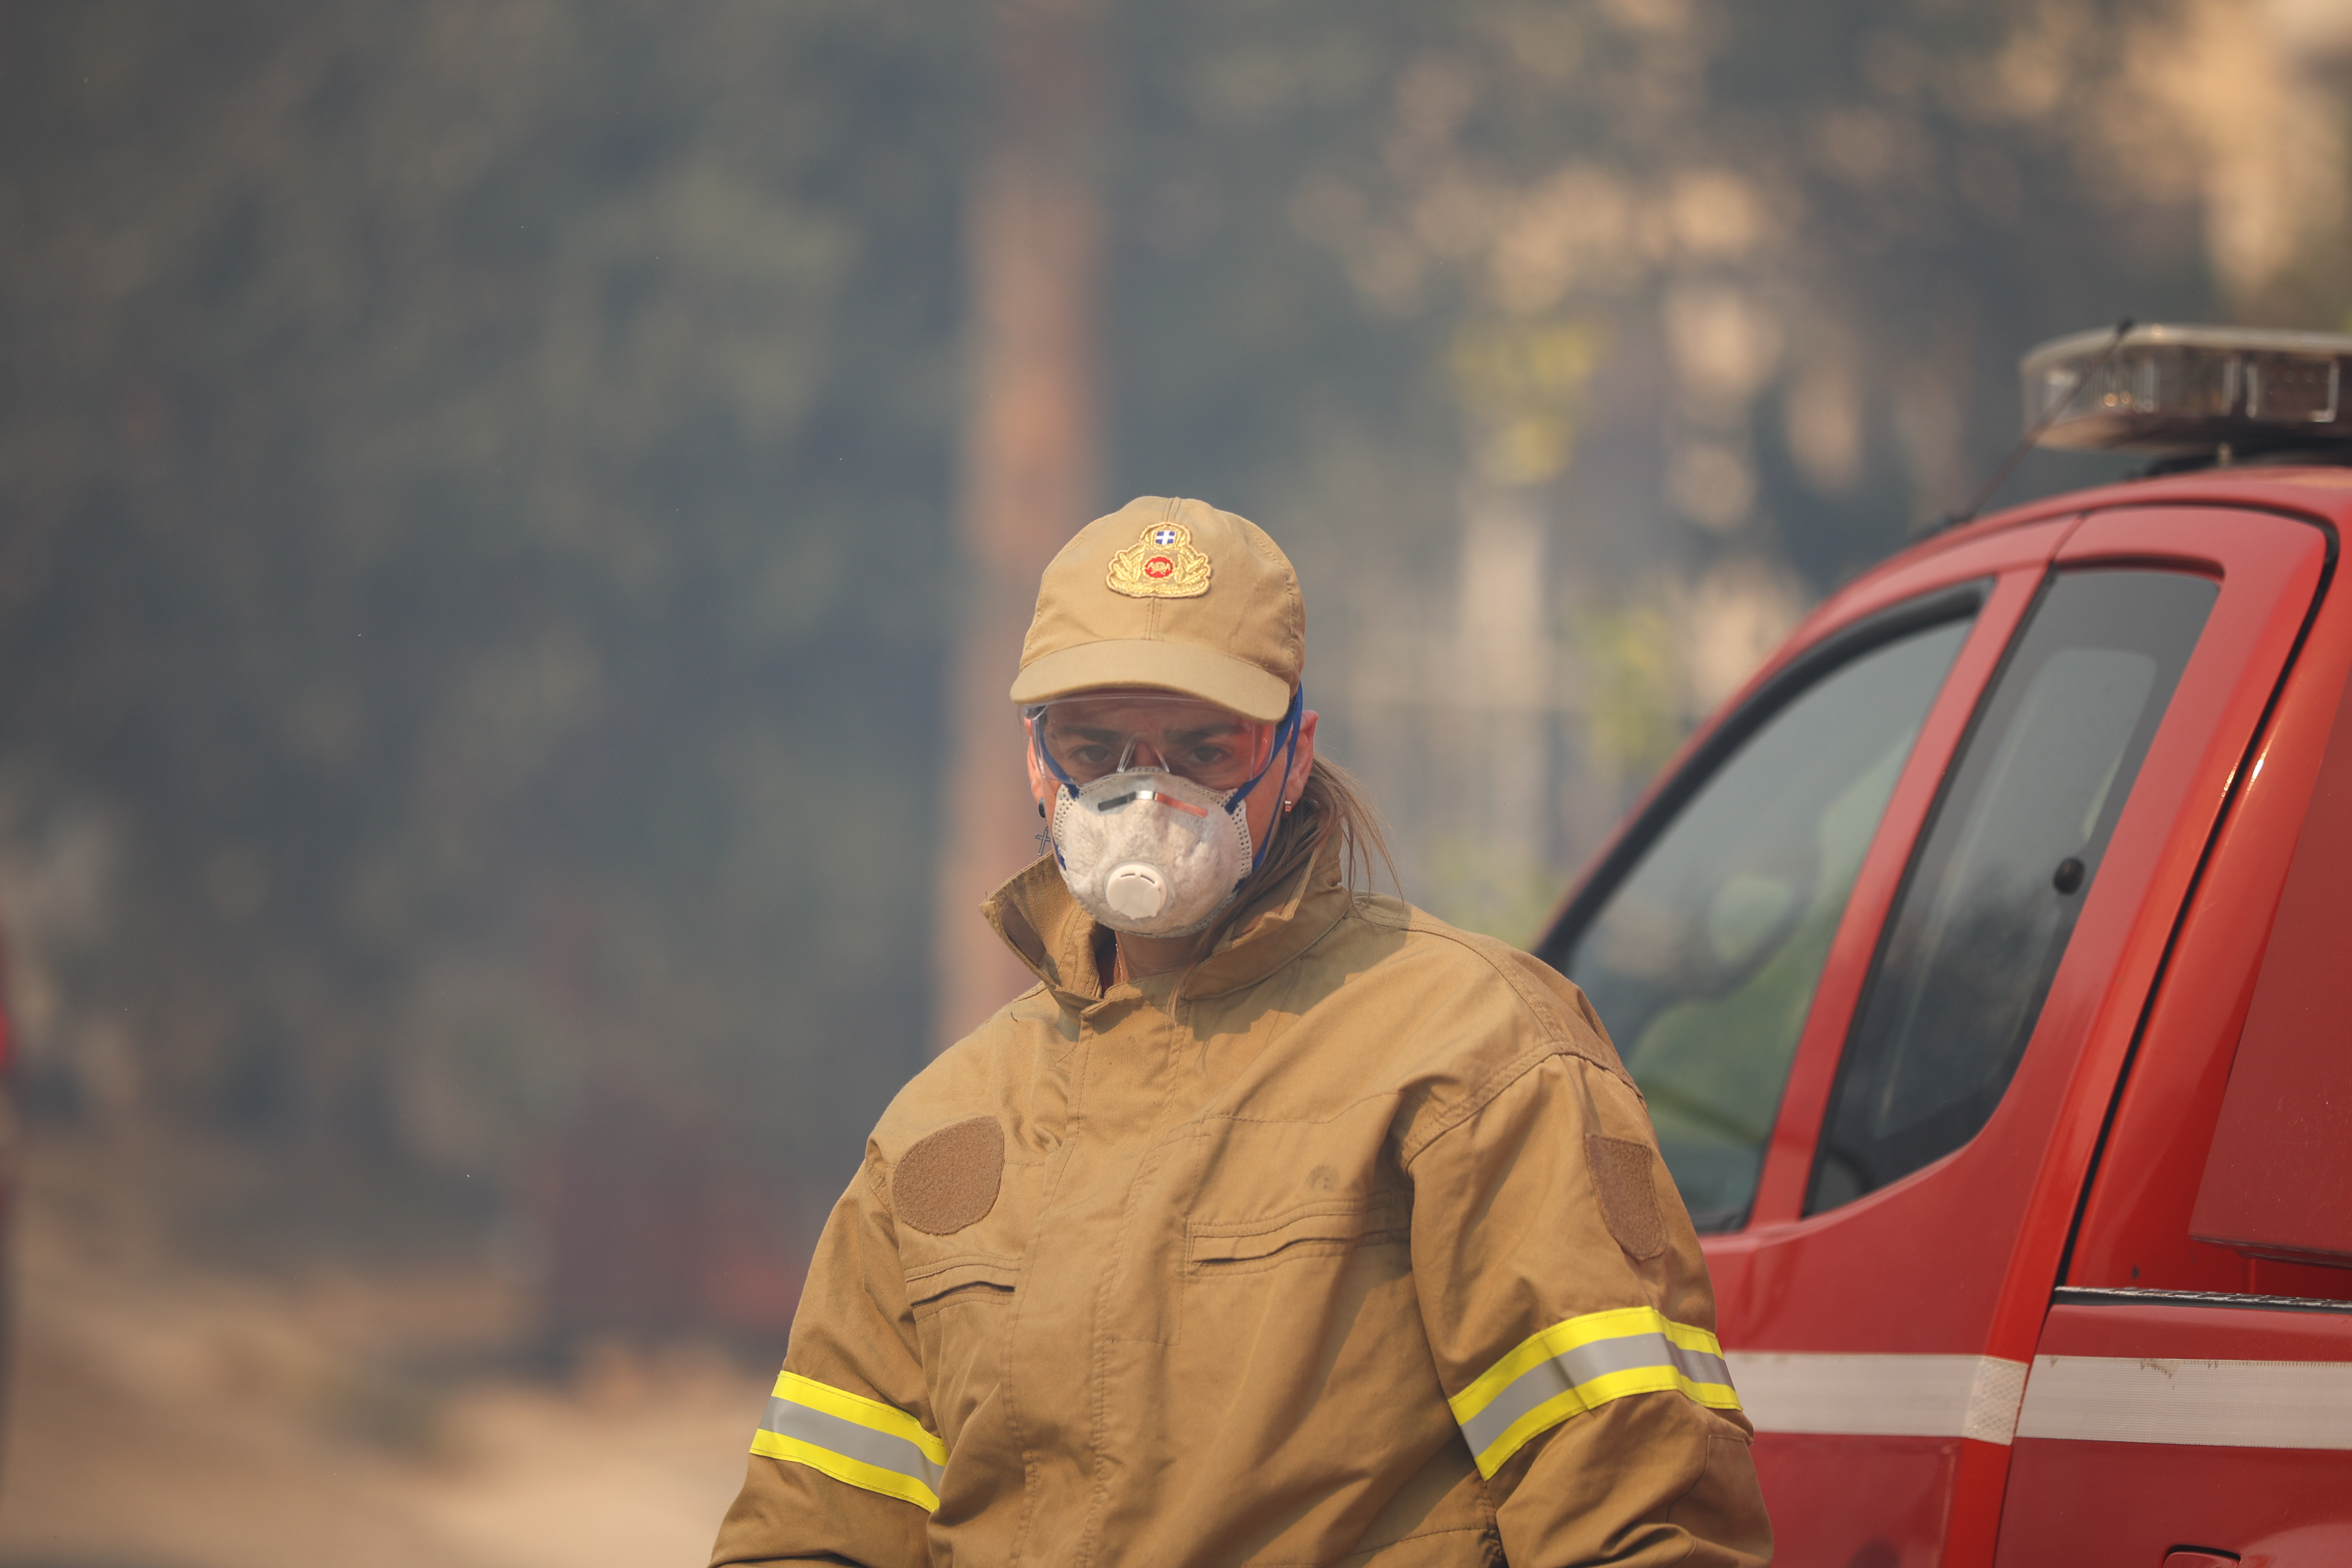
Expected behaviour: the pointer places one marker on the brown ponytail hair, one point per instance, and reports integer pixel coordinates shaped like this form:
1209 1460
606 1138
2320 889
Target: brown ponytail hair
1331 803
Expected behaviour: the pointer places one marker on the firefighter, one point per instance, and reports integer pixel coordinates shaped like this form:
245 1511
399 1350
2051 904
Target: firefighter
1279 1222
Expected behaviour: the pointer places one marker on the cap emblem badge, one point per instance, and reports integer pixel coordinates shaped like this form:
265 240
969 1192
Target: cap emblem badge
1163 564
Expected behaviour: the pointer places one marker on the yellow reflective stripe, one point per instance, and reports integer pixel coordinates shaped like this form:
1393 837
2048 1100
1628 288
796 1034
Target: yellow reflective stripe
842 1467
1584 1362
870 1413
859 1441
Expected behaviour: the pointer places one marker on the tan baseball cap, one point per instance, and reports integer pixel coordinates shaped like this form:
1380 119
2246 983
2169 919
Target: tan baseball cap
1174 594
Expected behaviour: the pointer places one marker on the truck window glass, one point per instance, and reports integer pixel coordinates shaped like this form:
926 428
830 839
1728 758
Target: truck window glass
1703 962
1992 896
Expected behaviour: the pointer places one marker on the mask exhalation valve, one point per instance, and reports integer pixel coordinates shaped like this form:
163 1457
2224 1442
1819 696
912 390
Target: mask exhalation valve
1136 890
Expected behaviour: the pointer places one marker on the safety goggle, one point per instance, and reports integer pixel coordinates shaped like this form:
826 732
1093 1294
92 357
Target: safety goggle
1081 739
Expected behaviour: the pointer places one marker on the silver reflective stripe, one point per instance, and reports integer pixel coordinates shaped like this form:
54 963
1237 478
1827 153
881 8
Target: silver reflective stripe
2205 1404
864 1444
1881 1395
1550 1379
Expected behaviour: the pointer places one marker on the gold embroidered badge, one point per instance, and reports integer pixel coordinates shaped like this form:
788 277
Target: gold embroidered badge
1163 564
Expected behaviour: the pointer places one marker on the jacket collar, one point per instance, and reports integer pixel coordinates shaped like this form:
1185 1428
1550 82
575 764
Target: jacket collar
1050 931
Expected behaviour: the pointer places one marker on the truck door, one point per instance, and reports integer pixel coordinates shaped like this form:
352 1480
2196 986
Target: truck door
1911 1165
2191 1391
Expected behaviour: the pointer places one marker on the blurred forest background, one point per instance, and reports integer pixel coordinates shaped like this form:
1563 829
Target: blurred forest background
494 513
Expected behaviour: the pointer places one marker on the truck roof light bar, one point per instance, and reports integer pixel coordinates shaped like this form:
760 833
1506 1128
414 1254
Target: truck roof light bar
2182 389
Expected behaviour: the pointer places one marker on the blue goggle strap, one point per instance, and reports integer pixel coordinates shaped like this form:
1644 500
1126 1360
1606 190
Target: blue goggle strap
1285 741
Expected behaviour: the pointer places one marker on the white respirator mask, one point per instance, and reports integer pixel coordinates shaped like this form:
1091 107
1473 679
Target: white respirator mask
1149 851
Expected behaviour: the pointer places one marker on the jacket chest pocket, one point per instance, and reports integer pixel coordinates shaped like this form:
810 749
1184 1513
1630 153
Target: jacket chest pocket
960 1324
1215 1250
1303 1209
967 1281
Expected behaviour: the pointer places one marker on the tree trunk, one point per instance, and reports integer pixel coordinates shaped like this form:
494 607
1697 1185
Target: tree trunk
1029 467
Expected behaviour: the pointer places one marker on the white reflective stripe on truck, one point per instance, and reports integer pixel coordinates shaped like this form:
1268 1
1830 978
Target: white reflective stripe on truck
2100 1399
2202 1404
1880 1396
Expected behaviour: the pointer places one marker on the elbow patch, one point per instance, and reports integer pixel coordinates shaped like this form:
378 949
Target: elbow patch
858 1441
1583 1363
1628 1191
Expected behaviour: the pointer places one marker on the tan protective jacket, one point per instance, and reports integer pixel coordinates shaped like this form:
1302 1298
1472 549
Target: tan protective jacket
1349 1246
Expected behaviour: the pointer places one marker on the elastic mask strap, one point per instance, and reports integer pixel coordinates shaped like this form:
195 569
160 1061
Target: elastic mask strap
1285 739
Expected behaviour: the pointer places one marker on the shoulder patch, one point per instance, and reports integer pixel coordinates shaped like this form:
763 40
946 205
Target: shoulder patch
949 1180
1628 1188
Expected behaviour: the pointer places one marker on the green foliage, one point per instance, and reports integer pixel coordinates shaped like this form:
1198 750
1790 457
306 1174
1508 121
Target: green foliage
476 485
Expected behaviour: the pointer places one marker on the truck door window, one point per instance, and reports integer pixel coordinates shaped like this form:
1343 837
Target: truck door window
1702 961
1993 893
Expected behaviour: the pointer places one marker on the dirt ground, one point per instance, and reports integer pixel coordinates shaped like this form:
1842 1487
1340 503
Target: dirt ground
167 1412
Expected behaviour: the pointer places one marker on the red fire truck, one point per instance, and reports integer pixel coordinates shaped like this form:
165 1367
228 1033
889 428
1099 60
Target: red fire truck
1987 965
